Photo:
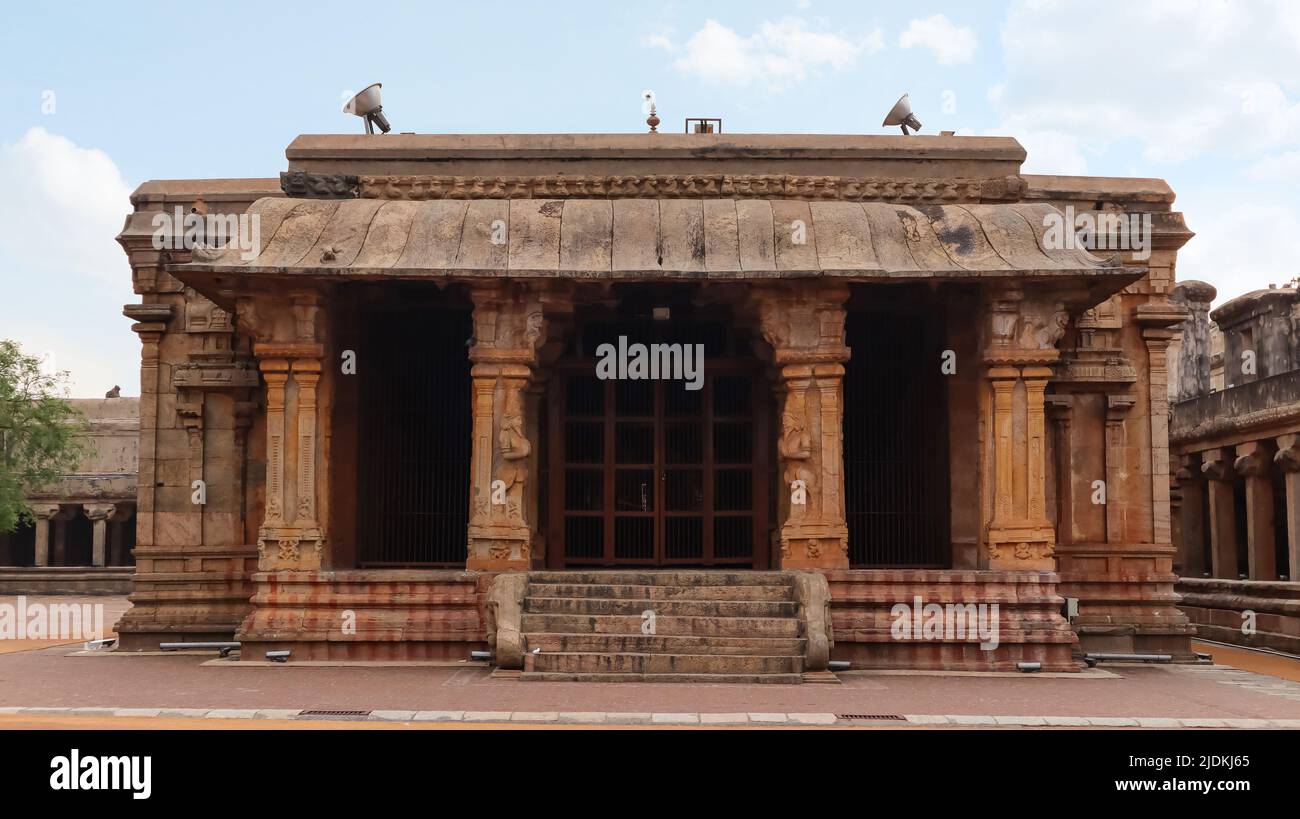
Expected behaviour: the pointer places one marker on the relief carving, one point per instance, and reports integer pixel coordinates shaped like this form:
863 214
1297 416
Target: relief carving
514 448
797 453
655 186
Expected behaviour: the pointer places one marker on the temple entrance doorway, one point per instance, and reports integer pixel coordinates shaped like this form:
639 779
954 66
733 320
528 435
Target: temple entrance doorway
896 469
658 467
414 436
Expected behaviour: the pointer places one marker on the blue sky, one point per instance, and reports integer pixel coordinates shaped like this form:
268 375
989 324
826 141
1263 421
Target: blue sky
96 98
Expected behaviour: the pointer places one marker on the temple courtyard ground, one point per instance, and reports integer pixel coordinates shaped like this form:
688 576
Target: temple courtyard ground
46 684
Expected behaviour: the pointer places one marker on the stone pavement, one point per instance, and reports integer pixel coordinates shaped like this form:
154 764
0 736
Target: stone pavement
618 718
64 680
51 681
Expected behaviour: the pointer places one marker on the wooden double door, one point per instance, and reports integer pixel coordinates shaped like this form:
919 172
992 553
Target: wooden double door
650 473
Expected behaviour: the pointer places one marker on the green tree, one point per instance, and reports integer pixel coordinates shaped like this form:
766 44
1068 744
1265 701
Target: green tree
41 434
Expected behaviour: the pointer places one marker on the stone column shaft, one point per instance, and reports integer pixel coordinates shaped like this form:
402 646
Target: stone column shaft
43 513
1192 514
1117 407
99 514
1223 514
1254 463
1288 459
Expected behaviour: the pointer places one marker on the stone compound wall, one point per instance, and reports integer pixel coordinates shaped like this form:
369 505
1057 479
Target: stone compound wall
58 556
1235 433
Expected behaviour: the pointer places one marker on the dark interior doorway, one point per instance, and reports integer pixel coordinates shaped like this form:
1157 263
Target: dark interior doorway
415 438
896 431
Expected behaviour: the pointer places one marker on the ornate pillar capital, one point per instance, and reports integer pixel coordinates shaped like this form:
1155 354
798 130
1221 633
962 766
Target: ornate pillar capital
1253 459
804 325
99 511
1216 466
1189 468
1287 457
1023 327
510 323
45 511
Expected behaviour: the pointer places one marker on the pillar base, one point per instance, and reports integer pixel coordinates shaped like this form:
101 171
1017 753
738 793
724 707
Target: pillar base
1028 547
289 550
499 549
815 547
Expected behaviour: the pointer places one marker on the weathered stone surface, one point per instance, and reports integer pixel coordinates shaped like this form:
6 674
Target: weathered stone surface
529 238
529 228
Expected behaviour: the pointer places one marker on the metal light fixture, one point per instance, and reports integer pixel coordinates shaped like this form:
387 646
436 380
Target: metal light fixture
902 116
367 106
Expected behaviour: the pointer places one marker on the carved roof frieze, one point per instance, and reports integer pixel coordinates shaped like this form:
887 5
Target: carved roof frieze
686 186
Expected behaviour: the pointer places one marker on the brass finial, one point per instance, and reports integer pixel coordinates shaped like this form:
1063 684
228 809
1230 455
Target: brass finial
649 106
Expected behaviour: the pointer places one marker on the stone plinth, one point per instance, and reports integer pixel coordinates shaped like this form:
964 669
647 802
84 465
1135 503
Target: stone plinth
365 615
1030 627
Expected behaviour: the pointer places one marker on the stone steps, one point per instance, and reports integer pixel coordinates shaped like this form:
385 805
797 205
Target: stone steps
666 592
708 626
661 578
728 679
618 624
661 608
621 663
666 644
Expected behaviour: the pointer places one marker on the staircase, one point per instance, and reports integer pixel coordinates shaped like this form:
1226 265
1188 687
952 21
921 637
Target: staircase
706 626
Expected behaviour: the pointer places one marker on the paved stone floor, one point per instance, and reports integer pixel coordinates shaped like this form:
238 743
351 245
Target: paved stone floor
50 684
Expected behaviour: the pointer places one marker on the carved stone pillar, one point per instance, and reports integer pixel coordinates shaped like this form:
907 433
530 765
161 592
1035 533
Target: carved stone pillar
509 327
1191 517
1254 462
1117 407
1159 320
804 325
292 535
1215 466
99 515
150 325
1023 332
1288 460
43 513
1060 409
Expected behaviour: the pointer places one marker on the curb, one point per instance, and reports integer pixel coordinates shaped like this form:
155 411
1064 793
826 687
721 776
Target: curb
614 718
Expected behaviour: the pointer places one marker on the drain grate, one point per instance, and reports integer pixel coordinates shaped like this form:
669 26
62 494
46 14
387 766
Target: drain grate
334 713
898 717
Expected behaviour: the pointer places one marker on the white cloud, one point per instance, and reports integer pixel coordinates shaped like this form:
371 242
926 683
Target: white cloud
1182 77
779 54
64 277
660 40
1052 152
951 44
1239 246
1278 169
62 206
